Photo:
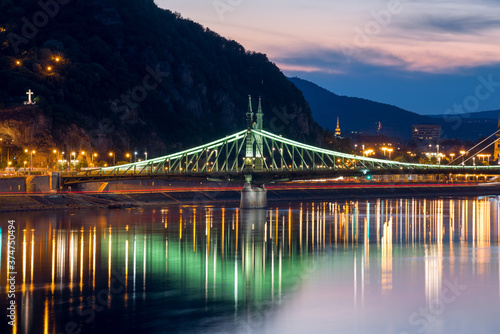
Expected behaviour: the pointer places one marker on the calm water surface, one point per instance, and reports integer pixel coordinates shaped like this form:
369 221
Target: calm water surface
376 266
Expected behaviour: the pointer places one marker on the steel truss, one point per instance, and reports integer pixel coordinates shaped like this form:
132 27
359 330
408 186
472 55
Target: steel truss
280 158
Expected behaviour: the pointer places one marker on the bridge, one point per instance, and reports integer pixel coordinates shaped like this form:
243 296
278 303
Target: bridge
255 157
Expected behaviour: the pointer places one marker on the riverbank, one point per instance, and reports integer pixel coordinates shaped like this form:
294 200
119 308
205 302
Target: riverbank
231 195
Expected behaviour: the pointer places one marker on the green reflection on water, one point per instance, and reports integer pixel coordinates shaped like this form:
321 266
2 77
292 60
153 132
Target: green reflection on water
208 257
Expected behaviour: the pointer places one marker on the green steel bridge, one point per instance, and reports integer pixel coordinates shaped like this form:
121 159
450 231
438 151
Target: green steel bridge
255 156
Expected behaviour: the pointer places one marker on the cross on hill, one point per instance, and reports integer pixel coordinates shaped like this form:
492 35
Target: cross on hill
29 93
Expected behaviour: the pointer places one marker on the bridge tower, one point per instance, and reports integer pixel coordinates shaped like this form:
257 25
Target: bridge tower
249 144
259 149
253 196
496 152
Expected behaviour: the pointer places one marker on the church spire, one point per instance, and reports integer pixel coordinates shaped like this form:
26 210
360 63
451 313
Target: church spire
249 113
337 130
259 115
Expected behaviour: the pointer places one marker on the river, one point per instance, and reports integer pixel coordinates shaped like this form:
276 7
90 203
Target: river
370 266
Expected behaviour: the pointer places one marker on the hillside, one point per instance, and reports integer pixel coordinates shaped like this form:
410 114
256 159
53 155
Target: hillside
131 76
361 115
491 114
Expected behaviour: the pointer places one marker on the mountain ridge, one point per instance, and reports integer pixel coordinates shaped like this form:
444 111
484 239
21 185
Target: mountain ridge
358 115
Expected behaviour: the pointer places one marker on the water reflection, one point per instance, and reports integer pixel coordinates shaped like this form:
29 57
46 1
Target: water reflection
188 268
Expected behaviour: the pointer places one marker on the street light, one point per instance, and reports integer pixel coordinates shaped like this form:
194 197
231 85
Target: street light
146 155
462 153
112 155
390 151
57 158
135 156
31 158
129 156
93 156
74 159
439 158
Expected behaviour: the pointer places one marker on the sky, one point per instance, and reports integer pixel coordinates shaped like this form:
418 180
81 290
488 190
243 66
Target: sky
430 57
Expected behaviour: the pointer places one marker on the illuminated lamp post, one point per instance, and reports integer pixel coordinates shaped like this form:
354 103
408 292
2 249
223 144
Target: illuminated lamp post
57 159
462 153
31 158
74 159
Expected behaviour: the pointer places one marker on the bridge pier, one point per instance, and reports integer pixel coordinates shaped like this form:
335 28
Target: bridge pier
253 197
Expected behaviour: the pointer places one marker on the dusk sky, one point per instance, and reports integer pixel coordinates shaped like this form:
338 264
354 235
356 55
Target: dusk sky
425 56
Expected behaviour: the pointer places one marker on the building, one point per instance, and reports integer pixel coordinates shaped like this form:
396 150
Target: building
426 134
496 152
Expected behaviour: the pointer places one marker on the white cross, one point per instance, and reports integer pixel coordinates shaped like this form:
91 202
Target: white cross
29 95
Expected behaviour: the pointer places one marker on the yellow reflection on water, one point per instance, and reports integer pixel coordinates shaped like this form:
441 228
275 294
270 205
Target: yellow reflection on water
300 227
194 230
180 224
46 317
24 261
289 230
14 328
81 258
53 285
223 229
386 251
267 251
93 258
433 273
71 260
32 257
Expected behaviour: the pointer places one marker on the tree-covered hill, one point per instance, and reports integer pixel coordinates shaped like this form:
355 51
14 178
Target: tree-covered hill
133 76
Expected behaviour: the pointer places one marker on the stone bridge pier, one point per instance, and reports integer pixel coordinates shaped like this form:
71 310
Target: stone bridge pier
253 197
